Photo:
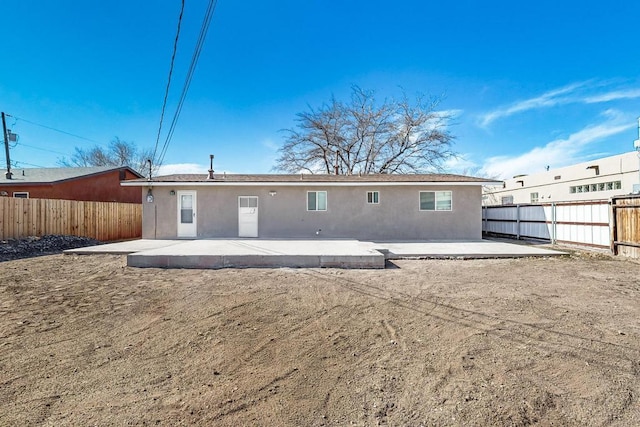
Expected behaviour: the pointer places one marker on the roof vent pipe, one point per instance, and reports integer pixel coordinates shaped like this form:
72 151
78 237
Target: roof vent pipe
210 166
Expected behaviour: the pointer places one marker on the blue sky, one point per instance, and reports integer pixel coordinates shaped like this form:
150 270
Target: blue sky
531 83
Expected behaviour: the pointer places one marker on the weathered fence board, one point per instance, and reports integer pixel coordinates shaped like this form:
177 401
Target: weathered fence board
625 233
105 221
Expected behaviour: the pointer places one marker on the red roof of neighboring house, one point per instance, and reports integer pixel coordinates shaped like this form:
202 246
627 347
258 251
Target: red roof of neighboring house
50 175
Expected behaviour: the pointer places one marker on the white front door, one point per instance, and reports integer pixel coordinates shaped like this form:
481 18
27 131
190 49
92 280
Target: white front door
187 214
247 216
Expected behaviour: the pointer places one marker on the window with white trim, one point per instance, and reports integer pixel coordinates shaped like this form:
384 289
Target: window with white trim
316 200
21 194
248 201
435 200
600 186
534 197
373 197
507 200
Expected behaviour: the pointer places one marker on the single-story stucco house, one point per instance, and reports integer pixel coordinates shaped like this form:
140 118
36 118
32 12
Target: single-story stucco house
367 207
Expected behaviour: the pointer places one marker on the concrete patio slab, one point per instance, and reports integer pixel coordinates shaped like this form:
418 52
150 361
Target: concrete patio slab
221 253
215 253
466 249
124 248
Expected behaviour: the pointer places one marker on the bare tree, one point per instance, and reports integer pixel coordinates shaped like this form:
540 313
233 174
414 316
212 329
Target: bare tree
362 136
119 153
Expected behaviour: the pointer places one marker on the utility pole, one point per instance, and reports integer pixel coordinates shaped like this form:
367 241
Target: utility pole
6 147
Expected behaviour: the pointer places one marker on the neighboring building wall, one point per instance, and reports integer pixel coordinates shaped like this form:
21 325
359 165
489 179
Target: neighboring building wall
104 187
396 217
616 176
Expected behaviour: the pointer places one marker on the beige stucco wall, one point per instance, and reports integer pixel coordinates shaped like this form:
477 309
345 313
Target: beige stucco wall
285 215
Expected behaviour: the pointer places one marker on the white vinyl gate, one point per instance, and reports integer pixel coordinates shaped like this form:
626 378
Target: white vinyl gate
582 223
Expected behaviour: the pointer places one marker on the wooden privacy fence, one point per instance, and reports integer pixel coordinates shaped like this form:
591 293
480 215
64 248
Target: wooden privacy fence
105 221
581 223
625 230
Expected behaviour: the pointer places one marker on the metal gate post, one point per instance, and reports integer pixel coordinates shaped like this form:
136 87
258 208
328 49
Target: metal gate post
517 222
554 220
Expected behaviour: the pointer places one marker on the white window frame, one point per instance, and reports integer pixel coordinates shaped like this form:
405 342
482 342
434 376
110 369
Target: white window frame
534 197
21 194
326 201
248 199
435 201
373 197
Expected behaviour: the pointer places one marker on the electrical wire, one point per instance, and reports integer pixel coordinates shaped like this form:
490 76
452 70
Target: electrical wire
41 149
15 164
53 129
166 92
194 61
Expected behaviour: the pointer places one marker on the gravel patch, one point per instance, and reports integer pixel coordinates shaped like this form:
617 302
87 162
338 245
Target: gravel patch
46 245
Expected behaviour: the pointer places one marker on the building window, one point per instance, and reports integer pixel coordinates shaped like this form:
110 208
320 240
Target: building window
248 202
373 197
21 194
316 200
534 197
435 200
601 186
507 200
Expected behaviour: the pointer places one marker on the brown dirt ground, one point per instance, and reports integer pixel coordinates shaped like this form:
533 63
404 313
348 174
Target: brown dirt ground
85 340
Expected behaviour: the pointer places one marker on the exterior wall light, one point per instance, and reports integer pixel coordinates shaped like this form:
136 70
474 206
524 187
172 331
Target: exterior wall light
149 196
272 193
172 192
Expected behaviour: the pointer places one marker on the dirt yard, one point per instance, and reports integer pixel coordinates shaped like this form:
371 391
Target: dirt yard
85 340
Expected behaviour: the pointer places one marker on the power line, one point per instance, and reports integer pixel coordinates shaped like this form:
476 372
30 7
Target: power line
54 129
166 92
194 60
16 163
41 149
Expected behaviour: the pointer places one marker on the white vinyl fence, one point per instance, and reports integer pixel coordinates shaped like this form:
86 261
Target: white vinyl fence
581 223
